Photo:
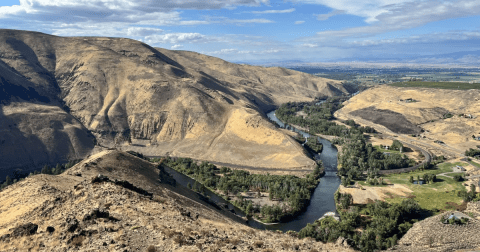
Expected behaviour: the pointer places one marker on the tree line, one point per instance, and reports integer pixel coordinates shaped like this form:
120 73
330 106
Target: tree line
358 157
292 191
382 224
19 176
317 119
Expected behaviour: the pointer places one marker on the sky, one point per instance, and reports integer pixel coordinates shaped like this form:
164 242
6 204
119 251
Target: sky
268 31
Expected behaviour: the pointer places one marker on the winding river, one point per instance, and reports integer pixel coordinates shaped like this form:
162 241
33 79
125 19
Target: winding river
321 200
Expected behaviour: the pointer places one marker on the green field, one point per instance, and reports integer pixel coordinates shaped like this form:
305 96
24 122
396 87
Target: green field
475 164
377 147
440 85
434 196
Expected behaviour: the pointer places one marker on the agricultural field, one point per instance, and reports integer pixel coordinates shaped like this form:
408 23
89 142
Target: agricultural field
440 195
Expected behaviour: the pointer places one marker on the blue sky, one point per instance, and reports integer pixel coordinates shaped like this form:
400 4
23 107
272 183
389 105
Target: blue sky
266 30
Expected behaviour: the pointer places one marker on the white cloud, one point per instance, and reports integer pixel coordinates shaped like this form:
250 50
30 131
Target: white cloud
174 47
6 11
426 38
248 21
175 38
145 12
299 22
323 17
385 16
146 5
309 45
367 9
274 11
236 51
142 31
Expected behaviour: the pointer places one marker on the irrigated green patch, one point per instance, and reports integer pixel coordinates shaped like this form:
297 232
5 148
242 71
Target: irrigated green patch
475 164
440 85
435 196
386 151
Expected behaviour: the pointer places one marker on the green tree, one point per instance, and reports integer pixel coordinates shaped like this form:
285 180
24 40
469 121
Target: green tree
8 180
411 179
46 170
396 145
249 208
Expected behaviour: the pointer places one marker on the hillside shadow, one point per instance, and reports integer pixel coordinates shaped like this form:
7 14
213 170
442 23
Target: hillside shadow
212 83
15 152
33 61
11 91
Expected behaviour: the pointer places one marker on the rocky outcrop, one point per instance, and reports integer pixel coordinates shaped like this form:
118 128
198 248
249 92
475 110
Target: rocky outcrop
68 212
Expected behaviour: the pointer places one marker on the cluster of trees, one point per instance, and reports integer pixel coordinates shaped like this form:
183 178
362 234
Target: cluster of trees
469 196
358 157
396 145
383 224
293 191
457 177
472 152
18 176
317 119
427 178
314 144
375 181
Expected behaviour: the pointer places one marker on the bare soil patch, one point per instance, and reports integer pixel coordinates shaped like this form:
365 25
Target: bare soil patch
394 121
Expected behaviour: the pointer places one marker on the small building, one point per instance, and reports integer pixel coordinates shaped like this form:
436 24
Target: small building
457 215
331 214
458 168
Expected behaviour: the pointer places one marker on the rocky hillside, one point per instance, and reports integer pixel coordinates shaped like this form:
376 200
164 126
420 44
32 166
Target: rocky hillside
433 235
411 110
61 92
132 206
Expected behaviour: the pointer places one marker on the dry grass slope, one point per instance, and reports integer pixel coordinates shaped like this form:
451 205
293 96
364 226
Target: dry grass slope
150 100
426 112
69 212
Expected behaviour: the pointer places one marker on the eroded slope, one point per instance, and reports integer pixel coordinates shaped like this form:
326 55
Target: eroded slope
155 101
413 109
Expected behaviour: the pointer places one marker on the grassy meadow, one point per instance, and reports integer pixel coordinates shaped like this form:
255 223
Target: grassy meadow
435 196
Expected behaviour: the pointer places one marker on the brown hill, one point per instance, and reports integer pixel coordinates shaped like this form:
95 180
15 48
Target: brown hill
74 212
433 235
428 109
150 100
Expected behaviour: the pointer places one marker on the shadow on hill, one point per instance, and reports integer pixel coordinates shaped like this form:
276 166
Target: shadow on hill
11 91
212 83
32 59
12 149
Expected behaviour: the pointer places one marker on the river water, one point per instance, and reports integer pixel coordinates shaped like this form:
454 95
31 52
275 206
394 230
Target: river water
321 200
